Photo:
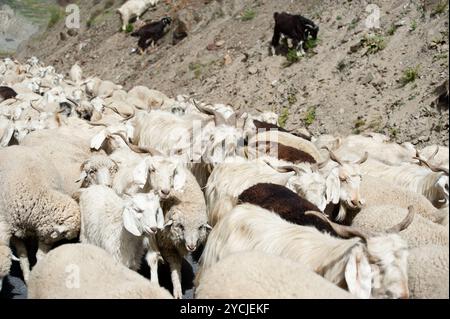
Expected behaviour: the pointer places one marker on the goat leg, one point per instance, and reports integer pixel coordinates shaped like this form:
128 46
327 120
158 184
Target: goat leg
22 253
43 249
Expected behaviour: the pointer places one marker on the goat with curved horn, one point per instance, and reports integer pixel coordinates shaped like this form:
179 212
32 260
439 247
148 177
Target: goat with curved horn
219 119
363 159
404 223
432 167
138 149
341 230
287 168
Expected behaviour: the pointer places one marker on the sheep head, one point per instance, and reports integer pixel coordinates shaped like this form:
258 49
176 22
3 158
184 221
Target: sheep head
387 254
142 214
344 182
98 170
187 232
222 142
161 174
311 185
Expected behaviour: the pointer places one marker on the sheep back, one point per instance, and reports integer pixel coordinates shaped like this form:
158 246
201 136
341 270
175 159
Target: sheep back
80 271
421 231
32 198
428 273
378 192
254 275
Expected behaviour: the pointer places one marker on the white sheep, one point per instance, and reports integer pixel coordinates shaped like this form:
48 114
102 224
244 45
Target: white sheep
421 232
185 229
229 179
120 225
99 88
420 179
428 272
346 262
76 74
80 271
378 192
436 155
67 148
378 147
33 203
134 8
255 275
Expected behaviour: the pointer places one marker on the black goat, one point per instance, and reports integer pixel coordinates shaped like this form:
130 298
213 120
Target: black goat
295 27
150 33
6 93
284 202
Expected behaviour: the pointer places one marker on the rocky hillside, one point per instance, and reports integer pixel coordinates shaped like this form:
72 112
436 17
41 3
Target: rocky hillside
353 79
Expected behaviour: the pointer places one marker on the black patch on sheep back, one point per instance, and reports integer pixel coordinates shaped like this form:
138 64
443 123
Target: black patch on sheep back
6 93
268 126
287 153
284 202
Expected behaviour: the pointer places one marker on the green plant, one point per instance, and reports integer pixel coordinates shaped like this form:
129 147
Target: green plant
393 132
91 21
56 14
359 123
338 18
391 30
291 58
440 56
409 75
341 65
374 43
375 125
440 8
196 67
310 116
353 23
292 99
282 119
413 25
129 28
311 43
4 54
248 14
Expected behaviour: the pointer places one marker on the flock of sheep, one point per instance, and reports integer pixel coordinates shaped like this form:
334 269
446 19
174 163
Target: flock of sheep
138 177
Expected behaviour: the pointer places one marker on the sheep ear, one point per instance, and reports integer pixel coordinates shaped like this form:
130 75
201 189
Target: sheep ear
83 175
140 173
160 218
333 185
97 140
168 223
358 276
131 222
7 137
179 179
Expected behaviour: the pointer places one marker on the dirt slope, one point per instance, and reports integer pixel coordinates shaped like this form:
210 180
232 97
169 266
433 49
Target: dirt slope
338 88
